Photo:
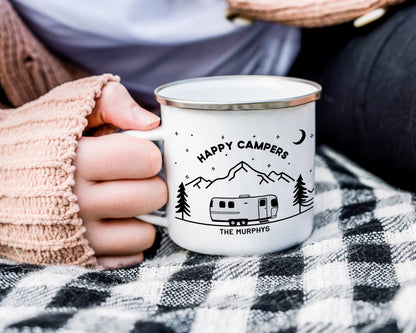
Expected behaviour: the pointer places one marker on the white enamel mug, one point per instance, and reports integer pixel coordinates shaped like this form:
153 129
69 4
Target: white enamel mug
239 162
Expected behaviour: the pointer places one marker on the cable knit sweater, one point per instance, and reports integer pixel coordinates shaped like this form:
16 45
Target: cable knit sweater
40 128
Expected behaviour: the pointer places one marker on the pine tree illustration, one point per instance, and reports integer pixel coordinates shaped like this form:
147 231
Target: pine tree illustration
182 206
300 195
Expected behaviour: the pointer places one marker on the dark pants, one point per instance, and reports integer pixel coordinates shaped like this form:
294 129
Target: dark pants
368 106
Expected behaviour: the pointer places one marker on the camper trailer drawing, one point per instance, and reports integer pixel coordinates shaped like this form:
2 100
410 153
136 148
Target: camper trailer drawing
243 209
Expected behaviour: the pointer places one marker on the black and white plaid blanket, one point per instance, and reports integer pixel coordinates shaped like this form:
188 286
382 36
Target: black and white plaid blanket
357 273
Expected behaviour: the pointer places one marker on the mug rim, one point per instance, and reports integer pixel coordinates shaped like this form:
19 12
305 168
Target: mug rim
224 106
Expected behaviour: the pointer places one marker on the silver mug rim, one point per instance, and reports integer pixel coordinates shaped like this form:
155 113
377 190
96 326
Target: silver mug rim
224 106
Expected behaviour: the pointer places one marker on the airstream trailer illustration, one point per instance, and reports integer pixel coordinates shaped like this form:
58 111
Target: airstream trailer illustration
243 209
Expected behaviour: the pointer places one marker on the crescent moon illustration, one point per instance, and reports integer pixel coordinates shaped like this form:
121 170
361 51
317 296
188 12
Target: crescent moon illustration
301 139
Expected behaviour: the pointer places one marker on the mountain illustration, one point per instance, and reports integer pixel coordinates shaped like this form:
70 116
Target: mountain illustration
199 182
245 169
241 171
278 176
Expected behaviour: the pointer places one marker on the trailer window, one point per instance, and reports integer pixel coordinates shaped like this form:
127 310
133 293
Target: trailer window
262 202
230 204
274 202
222 204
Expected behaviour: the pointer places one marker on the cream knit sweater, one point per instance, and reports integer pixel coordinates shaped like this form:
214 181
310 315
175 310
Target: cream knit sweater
39 130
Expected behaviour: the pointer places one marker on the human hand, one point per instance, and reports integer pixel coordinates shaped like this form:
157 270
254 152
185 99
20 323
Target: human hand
115 179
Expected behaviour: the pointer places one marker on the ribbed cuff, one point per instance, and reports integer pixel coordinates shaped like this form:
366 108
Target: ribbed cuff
39 220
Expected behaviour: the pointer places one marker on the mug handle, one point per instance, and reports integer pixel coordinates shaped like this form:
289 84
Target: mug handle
155 134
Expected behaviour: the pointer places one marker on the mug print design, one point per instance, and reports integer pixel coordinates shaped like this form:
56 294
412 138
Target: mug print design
245 195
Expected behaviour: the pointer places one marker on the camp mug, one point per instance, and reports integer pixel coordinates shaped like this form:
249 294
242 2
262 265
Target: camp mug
239 162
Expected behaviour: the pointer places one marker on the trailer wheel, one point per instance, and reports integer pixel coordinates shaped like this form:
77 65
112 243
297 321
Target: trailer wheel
233 222
243 222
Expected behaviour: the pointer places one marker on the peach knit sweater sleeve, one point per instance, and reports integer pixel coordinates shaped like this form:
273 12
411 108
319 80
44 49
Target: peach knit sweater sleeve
307 13
39 220
39 132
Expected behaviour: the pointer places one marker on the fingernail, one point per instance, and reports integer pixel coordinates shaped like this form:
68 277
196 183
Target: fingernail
145 116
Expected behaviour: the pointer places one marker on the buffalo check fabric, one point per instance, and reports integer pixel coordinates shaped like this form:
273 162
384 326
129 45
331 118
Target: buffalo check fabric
356 273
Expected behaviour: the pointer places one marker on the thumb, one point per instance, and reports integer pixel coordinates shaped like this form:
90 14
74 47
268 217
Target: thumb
116 107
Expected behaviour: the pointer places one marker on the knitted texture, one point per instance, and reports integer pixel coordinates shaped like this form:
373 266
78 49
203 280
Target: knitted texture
307 13
39 220
38 211
27 69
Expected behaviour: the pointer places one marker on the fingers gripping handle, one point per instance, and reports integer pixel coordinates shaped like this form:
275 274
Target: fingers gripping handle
154 219
156 134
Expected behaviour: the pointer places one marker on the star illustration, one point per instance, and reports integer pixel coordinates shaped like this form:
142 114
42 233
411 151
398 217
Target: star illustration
213 168
277 136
